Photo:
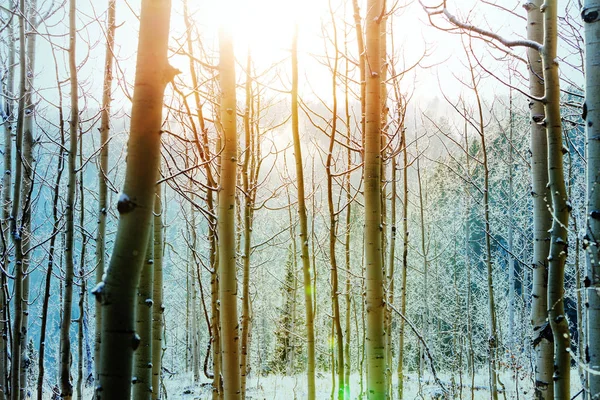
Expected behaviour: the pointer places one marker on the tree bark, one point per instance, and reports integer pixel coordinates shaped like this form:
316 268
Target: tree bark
248 219
142 368
15 375
52 249
404 265
117 291
560 206
226 221
590 14
66 386
103 170
337 326
542 217
157 295
82 279
8 91
375 343
306 267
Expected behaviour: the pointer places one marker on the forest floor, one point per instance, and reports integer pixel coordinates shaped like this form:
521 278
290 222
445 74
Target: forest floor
278 387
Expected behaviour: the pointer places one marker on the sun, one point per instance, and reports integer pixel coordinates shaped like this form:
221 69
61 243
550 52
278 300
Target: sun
263 27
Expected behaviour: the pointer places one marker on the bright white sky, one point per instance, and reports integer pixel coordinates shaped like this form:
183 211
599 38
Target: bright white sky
266 27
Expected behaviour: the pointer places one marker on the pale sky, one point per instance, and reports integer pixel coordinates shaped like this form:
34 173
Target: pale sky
266 26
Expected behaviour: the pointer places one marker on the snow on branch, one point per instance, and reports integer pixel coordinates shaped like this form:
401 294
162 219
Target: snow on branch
465 26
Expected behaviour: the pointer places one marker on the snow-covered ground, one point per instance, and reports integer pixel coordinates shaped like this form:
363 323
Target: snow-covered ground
294 387
277 387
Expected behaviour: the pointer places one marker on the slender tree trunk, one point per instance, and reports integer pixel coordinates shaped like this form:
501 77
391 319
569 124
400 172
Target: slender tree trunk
404 266
226 221
337 326
26 195
511 259
248 206
142 368
306 267
348 227
391 269
590 14
53 237
493 334
82 277
15 375
560 207
117 291
66 386
469 300
360 41
542 217
202 146
193 293
157 295
376 368
8 91
426 317
103 171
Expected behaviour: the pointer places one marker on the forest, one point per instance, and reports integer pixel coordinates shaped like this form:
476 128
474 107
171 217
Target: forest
283 199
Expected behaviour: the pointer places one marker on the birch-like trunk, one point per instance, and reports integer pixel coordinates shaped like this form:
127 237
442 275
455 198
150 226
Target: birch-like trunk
103 170
337 326
248 219
560 206
306 267
157 295
17 219
117 291
52 249
542 217
226 221
142 367
375 343
404 265
8 92
591 19
66 386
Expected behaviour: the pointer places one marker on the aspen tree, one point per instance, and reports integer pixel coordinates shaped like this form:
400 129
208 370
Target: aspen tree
248 208
337 327
348 227
493 336
250 174
16 228
375 309
469 299
142 367
306 267
191 295
157 295
226 220
117 291
27 190
201 142
426 317
7 122
360 42
591 19
542 217
103 169
560 205
66 386
404 261
82 278
55 230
